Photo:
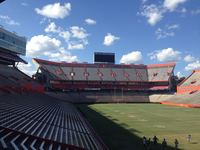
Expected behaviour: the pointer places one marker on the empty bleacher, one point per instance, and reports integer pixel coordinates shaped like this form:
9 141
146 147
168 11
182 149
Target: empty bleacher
132 74
30 120
55 71
36 121
121 75
13 80
79 74
96 74
185 98
66 71
193 80
190 84
11 74
101 74
101 97
159 74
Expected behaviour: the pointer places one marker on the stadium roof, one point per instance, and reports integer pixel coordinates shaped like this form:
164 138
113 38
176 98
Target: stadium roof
170 64
75 64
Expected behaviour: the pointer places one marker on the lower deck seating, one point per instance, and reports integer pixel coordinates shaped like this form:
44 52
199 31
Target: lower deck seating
186 98
101 97
35 121
13 80
190 84
193 80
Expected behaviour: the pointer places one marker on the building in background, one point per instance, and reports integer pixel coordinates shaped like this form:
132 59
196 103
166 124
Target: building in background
11 47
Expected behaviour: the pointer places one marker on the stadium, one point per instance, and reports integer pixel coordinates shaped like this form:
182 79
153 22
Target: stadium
66 104
102 105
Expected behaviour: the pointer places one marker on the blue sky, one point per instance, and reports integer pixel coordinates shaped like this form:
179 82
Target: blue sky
142 31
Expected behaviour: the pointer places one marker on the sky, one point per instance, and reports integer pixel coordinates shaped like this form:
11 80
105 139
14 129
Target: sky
137 31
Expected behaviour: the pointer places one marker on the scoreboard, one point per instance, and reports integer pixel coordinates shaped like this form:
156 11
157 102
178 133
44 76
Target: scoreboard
100 57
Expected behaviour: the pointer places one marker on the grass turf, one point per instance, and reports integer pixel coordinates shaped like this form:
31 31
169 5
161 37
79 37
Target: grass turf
121 126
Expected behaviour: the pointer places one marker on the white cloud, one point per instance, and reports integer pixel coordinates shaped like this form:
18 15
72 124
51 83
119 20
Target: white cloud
179 74
44 19
61 56
40 44
183 10
193 66
78 38
78 32
74 31
109 39
9 20
153 13
28 69
24 4
55 11
168 54
90 21
144 1
65 35
172 4
161 34
168 31
52 28
195 12
189 58
75 37
173 26
133 57
77 44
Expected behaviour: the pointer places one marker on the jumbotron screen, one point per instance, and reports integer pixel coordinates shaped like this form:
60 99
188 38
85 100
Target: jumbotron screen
100 57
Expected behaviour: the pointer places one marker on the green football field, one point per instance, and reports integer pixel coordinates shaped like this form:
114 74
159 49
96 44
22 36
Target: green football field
121 126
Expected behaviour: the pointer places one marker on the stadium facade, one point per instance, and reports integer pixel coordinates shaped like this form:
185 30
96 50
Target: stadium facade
11 46
84 76
12 42
32 119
